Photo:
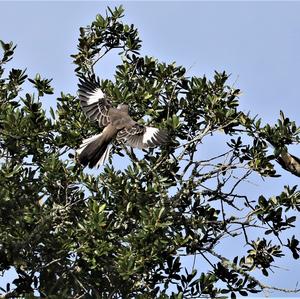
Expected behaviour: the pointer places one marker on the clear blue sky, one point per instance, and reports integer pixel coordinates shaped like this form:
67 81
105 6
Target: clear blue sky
257 42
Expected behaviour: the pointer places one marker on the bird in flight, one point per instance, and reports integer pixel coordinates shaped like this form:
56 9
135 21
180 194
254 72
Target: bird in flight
116 123
289 162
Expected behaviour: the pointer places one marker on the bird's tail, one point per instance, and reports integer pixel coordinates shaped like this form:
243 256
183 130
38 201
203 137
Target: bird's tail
94 151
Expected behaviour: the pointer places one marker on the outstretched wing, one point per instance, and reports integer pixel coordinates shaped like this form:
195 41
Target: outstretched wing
93 101
142 137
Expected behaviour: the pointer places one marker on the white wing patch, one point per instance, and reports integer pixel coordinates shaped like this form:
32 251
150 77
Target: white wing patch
94 98
142 137
94 102
149 134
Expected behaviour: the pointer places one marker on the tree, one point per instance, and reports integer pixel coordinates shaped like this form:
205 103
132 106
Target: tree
122 233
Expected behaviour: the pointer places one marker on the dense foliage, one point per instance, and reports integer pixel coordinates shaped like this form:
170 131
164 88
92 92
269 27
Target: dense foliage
124 233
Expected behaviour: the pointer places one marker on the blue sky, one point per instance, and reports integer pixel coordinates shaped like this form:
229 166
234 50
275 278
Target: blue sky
258 43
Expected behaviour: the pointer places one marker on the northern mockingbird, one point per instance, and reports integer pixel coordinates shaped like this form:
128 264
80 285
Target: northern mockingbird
116 122
289 162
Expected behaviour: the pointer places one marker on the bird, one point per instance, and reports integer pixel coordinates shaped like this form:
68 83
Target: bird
116 123
289 162
286 160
